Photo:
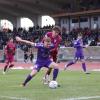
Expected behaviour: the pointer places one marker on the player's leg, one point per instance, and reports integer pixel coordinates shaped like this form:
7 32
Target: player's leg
55 74
56 70
31 57
11 65
83 62
31 75
70 63
84 66
48 71
11 62
55 66
6 66
46 78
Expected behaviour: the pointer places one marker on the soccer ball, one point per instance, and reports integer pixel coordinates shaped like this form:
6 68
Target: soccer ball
53 84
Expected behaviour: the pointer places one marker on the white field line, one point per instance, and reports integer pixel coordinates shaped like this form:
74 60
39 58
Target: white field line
82 98
13 98
20 67
96 70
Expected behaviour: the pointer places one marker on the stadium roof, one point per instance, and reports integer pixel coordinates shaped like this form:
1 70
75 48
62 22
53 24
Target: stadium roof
42 7
24 7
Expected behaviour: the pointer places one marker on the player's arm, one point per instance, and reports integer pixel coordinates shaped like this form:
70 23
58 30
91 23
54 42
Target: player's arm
14 50
87 45
55 47
25 41
5 50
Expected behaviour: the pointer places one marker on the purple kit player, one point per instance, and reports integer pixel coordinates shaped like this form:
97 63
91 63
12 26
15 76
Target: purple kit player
78 45
43 57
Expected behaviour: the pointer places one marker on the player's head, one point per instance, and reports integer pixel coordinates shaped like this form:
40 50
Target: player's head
79 36
11 39
56 31
47 42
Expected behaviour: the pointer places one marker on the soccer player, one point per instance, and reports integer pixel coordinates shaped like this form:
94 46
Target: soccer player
9 53
56 40
31 56
25 56
43 57
78 45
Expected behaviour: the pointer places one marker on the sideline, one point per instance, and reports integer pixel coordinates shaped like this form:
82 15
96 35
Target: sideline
82 98
13 98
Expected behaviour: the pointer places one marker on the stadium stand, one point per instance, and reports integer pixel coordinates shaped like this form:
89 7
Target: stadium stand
36 34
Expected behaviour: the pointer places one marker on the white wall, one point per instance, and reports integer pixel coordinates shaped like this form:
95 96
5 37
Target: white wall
85 24
93 23
73 25
64 23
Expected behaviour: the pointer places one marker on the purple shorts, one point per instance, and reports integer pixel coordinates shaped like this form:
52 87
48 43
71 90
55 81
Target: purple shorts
79 55
44 63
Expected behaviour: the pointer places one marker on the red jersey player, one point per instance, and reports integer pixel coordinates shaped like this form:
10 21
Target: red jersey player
56 40
9 53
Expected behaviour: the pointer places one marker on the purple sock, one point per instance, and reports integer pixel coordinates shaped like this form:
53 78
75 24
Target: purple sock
84 67
55 73
70 63
29 77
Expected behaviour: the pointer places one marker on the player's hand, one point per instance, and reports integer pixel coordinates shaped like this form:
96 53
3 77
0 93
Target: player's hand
86 46
18 38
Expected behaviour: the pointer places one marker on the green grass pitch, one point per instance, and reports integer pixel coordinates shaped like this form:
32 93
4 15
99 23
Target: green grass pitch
74 84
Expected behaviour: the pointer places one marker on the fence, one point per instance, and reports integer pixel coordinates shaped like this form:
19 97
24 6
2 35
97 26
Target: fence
65 53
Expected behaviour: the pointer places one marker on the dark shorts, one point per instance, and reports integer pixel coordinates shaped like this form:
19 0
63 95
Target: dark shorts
39 64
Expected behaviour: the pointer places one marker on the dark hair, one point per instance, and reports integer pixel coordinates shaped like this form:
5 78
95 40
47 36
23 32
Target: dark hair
56 29
10 38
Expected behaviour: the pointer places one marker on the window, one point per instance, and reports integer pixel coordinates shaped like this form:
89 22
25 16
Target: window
83 19
63 21
95 18
75 20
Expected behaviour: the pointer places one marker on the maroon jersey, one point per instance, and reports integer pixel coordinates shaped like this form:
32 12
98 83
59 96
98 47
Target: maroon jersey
10 49
56 41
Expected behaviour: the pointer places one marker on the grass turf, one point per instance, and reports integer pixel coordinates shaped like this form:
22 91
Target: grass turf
73 84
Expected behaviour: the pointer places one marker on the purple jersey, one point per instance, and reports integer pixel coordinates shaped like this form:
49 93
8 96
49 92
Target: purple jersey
43 56
43 53
78 44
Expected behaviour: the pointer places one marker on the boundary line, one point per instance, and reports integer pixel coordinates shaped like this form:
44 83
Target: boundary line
13 98
82 98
